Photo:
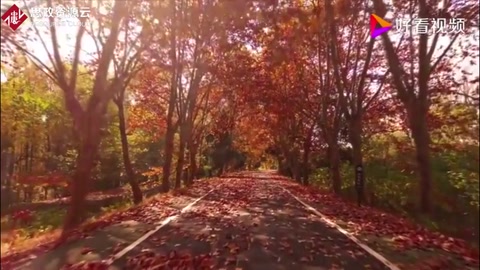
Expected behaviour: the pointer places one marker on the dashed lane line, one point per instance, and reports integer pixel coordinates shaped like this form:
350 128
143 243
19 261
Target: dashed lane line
324 218
160 225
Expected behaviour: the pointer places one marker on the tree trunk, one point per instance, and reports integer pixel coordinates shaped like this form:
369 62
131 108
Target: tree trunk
181 155
81 180
222 169
170 133
27 155
334 158
136 191
296 167
355 136
306 155
186 131
6 178
31 157
421 138
280 165
167 163
297 173
306 166
193 162
288 166
80 186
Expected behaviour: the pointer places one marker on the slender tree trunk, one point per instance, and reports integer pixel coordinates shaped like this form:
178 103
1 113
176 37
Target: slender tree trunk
170 133
288 165
27 155
181 155
30 158
169 136
10 173
306 166
306 156
187 128
296 166
193 161
49 144
297 172
6 178
279 165
421 138
136 191
334 159
355 137
294 169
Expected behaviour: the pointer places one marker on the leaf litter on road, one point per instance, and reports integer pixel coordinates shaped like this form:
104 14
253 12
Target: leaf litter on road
240 231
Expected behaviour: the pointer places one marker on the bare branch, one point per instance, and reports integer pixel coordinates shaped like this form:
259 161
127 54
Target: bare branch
76 54
44 45
36 61
375 95
439 59
56 54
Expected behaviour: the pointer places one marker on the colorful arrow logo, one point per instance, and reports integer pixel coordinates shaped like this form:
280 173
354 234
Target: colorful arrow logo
378 26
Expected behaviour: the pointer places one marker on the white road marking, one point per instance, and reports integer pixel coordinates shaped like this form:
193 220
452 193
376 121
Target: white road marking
160 225
324 218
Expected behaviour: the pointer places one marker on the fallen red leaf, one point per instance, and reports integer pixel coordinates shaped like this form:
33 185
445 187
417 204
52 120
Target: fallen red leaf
86 250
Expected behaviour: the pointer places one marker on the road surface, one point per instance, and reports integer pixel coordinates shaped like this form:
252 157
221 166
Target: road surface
245 221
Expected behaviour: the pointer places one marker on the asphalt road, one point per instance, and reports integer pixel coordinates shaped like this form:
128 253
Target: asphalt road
246 221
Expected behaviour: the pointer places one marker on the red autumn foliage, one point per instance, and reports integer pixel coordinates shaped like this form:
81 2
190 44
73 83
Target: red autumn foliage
147 110
51 179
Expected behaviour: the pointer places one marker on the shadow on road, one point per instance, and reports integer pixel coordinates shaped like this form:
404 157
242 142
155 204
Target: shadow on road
249 225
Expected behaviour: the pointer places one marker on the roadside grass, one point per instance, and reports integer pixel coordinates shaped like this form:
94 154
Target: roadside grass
46 226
